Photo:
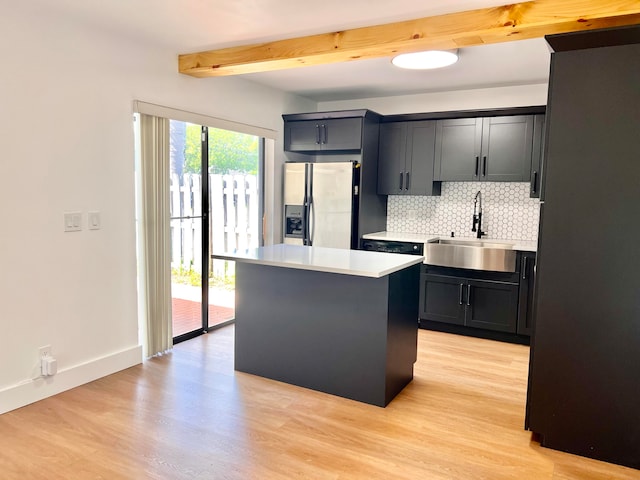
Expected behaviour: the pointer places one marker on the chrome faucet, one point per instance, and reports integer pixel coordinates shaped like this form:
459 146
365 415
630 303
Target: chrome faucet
477 215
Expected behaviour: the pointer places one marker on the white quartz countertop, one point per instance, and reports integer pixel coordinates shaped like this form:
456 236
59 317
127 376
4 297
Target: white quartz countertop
520 245
332 260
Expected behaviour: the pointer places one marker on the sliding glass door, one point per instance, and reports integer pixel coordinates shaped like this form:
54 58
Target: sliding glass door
186 194
216 205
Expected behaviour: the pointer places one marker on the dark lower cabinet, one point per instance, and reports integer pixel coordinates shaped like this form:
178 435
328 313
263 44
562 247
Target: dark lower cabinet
441 299
525 303
486 304
492 305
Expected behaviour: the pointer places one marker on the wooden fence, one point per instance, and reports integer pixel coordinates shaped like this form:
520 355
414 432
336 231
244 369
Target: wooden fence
234 218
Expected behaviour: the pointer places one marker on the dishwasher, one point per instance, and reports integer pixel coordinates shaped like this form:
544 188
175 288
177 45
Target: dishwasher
392 246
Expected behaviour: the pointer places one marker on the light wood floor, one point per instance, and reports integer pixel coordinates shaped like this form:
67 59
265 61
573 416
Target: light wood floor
188 415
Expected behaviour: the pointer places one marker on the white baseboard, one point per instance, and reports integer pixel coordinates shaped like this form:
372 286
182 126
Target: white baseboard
31 391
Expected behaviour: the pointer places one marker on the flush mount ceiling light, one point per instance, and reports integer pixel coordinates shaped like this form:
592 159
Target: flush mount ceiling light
426 60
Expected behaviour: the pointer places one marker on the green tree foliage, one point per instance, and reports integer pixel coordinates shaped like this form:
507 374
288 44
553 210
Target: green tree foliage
229 152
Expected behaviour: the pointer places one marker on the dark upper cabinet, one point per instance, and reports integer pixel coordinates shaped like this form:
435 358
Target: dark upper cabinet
535 177
507 144
458 144
331 134
391 158
525 303
491 305
406 156
492 149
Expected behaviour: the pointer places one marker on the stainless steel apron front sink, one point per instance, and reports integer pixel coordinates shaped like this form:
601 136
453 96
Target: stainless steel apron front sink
471 254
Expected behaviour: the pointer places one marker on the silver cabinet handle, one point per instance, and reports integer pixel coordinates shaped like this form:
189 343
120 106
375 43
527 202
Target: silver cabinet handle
324 133
460 295
406 187
524 268
468 295
317 134
401 180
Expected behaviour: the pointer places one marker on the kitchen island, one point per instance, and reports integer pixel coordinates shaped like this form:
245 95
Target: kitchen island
343 322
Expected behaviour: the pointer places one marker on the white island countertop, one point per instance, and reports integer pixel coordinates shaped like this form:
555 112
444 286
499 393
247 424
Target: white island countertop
320 259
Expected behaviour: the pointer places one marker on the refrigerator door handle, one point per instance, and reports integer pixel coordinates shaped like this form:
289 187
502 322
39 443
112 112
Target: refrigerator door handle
312 214
308 171
310 210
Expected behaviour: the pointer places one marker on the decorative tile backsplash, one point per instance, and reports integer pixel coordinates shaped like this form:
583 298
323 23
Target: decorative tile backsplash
507 211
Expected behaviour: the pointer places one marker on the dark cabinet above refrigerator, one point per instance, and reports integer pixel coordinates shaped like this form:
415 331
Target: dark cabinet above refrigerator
338 134
326 133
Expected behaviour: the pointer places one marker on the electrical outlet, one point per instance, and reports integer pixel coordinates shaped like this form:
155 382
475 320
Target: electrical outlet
45 351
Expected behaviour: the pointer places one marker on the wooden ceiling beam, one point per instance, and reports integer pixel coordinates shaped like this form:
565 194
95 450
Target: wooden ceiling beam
518 21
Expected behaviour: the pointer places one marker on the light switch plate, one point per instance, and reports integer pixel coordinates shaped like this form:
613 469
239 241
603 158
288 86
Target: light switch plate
94 220
72 221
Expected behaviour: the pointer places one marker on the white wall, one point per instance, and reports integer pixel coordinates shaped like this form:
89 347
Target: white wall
486 98
66 93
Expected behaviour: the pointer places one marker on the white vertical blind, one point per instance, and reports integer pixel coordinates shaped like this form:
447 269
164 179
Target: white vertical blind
154 234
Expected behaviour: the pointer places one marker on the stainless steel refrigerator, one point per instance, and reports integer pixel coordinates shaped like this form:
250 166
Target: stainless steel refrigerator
321 204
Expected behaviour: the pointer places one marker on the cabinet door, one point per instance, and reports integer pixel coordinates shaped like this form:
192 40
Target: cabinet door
441 298
302 136
391 158
535 175
491 305
325 134
525 304
457 156
341 134
507 144
421 141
